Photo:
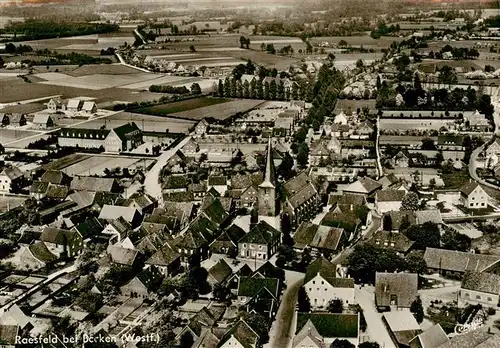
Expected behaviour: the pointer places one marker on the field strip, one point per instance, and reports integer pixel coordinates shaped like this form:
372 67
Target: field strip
284 41
174 55
202 59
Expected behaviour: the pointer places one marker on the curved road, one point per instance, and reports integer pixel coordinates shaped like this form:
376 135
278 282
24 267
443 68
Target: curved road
282 330
152 185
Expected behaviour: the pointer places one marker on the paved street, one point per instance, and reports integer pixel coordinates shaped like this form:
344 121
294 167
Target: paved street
282 329
376 328
152 186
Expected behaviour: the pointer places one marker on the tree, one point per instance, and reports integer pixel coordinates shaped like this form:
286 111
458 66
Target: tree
242 41
428 144
335 306
426 235
447 75
303 155
342 343
360 64
417 85
343 43
368 259
303 301
192 48
387 223
221 293
266 91
286 228
410 202
221 88
417 310
453 240
369 345
415 263
187 340
273 90
195 88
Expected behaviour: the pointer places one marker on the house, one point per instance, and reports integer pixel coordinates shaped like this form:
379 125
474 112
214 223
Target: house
473 196
478 338
43 121
400 160
93 184
122 256
56 192
113 212
144 203
62 243
402 327
89 107
363 186
89 228
395 290
55 104
190 149
124 138
477 121
195 239
341 118
219 273
364 130
175 183
450 142
493 150
319 237
240 335
259 295
166 260
260 243
319 330
431 215
393 220
143 285
480 288
302 201
117 230
17 120
234 279
388 200
55 177
323 282
10 179
218 182
201 322
74 105
82 138
201 127
433 337
36 256
228 240
456 263
388 240
249 197
319 154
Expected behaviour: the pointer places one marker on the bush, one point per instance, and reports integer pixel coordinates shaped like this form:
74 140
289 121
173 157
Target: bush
491 311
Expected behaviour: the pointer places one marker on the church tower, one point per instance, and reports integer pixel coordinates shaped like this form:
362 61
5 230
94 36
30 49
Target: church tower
267 190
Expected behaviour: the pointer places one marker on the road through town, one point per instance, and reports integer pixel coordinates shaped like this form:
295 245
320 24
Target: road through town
152 185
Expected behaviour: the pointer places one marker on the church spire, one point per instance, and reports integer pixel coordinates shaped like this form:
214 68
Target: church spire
269 179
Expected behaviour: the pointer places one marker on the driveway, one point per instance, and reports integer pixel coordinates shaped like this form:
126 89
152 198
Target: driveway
375 326
283 327
152 186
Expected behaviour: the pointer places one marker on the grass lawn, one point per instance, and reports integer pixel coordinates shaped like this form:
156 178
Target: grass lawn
180 106
65 161
455 179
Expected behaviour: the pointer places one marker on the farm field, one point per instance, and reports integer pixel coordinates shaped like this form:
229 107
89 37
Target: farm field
95 165
145 122
15 89
181 106
8 134
93 82
64 162
161 80
25 108
366 41
108 69
220 111
94 42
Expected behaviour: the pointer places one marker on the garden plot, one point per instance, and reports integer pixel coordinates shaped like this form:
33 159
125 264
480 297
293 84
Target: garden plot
95 165
9 135
414 124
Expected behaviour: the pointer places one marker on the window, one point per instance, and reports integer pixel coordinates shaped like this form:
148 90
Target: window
467 294
478 297
244 245
322 283
314 282
490 299
310 289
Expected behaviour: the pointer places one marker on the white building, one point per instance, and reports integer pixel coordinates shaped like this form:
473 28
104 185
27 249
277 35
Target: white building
324 282
473 196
